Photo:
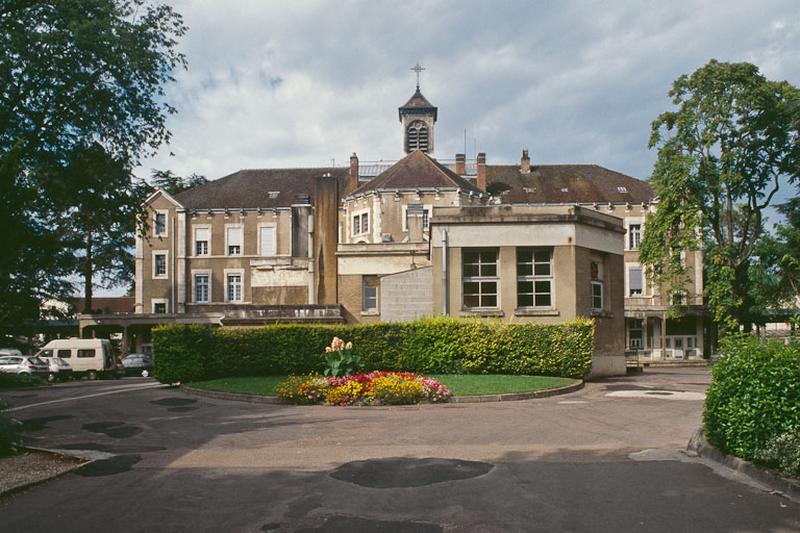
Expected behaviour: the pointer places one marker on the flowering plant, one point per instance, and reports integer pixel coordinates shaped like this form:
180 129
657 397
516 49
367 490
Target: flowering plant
340 359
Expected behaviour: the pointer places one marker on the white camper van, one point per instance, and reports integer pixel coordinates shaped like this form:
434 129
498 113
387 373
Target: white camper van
89 357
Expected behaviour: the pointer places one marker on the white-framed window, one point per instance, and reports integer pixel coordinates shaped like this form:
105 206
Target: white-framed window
535 277
233 285
201 287
266 240
361 223
234 239
369 293
635 334
634 235
635 281
202 240
160 305
479 277
597 296
160 260
426 216
160 220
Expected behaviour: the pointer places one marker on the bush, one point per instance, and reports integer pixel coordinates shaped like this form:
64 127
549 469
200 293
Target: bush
754 395
10 439
12 381
433 345
783 453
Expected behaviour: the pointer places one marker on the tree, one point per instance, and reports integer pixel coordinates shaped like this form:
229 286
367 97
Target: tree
722 155
72 73
173 184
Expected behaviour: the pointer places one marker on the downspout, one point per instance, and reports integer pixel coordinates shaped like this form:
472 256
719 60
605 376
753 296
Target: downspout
445 275
174 279
312 296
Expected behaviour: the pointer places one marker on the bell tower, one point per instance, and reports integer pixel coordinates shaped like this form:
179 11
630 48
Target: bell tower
417 117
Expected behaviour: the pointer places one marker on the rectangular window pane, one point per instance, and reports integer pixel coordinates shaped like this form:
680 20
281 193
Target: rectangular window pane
201 288
634 236
234 287
479 281
160 308
534 277
65 354
635 281
160 264
86 353
356 225
161 223
201 238
544 300
369 291
365 223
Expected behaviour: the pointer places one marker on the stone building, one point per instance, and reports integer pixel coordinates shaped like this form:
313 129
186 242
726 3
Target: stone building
385 241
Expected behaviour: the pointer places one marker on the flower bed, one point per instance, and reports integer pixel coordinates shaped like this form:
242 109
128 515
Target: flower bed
364 388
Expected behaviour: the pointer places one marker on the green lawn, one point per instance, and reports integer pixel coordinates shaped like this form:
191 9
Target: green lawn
459 384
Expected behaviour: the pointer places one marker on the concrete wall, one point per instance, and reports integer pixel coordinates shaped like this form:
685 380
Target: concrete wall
407 295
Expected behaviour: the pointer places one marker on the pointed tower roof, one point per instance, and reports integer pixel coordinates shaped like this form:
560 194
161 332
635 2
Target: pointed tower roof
417 104
417 170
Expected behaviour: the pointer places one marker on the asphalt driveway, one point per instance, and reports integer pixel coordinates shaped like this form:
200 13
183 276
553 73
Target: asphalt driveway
603 459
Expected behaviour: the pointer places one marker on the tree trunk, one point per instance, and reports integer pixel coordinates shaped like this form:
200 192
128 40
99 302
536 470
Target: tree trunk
87 275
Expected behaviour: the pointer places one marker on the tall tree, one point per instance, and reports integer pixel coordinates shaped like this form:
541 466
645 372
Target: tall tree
172 183
722 155
72 72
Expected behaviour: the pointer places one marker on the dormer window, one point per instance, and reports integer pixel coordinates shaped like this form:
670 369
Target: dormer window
273 194
417 137
622 190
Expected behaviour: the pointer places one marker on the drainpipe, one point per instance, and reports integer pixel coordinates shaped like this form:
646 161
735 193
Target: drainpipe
445 275
312 296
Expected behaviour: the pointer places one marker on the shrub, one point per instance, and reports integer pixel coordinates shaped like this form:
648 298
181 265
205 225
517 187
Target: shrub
10 439
433 345
754 395
783 453
12 381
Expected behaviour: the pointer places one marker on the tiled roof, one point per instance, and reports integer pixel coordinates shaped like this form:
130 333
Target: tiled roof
565 184
258 188
417 170
417 103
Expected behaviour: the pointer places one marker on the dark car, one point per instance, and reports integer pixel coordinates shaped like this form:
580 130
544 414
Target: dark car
136 363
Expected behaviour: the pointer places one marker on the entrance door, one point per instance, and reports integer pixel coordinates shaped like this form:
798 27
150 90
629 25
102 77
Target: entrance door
677 348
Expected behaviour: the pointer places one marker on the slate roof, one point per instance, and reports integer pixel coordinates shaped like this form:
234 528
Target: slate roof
417 104
251 188
417 170
566 184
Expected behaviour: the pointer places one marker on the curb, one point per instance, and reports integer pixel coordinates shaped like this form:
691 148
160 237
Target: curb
777 483
29 484
274 400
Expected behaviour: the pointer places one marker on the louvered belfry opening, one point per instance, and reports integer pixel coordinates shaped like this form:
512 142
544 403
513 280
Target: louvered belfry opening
417 138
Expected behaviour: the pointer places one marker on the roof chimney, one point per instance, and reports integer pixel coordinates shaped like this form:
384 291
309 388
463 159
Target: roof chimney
352 179
525 163
461 164
480 182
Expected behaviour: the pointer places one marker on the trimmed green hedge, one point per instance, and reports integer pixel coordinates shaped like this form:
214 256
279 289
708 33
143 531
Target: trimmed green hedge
754 395
431 345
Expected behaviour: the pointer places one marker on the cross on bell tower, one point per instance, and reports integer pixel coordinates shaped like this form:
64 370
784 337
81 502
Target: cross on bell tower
417 117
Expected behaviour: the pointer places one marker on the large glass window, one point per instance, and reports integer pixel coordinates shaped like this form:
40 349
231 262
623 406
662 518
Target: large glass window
369 292
480 278
635 281
234 287
634 236
201 286
534 277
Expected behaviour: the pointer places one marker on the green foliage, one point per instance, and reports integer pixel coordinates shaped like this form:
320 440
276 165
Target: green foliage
340 360
10 439
308 389
722 155
433 345
172 183
783 453
754 395
12 381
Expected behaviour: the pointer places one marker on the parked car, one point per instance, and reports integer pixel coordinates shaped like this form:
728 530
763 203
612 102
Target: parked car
137 363
10 351
92 358
26 364
60 370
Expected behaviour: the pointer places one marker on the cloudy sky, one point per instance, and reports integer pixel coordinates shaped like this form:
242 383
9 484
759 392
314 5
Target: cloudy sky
302 83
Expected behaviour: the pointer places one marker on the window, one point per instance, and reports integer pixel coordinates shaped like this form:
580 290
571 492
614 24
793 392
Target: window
360 223
86 353
534 277
480 278
65 354
201 288
678 298
159 308
160 264
417 137
233 240
635 281
266 241
160 224
369 292
622 189
234 287
634 236
597 296
202 238
635 334
426 217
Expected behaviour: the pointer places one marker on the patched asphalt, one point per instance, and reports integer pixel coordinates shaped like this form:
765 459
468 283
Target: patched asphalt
555 464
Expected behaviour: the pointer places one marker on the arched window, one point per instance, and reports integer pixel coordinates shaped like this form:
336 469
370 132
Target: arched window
417 137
